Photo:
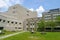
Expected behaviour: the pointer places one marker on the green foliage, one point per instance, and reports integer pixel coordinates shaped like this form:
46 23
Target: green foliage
58 20
36 36
6 32
41 24
51 24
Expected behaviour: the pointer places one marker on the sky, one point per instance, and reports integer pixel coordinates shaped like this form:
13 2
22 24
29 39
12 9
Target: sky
37 5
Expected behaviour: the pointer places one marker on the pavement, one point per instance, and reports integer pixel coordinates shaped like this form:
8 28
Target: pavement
2 37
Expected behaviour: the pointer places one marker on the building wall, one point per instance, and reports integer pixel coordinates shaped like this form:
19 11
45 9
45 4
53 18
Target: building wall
31 23
51 14
15 14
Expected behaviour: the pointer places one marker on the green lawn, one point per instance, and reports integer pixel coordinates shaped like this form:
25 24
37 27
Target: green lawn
35 36
6 33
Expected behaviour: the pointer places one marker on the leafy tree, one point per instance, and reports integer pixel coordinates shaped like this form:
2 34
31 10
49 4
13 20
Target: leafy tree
52 24
58 20
41 24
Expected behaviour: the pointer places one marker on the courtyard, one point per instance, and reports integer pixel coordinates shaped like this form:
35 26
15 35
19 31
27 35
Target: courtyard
35 36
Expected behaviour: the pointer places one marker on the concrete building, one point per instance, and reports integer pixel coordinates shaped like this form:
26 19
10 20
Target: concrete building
51 14
13 19
31 23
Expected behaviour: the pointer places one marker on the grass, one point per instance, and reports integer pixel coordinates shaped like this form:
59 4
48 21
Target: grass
6 33
35 36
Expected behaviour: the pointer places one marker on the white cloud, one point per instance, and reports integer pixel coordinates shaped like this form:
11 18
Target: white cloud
8 3
2 3
39 11
31 9
13 2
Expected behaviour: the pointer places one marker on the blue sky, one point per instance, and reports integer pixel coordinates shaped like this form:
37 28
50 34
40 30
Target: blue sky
38 5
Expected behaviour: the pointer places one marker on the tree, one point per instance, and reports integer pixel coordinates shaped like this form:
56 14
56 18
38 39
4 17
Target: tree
58 20
41 25
51 24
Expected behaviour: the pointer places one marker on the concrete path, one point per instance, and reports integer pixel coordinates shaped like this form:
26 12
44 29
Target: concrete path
2 37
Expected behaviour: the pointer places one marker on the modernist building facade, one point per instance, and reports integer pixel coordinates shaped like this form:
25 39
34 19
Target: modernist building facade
14 18
31 23
51 14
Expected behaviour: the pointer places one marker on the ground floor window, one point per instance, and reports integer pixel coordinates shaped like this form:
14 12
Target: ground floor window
19 27
1 28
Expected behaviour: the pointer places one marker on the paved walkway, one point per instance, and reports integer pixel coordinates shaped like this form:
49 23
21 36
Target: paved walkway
2 37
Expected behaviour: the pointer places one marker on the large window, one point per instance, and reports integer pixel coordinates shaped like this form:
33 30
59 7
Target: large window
3 20
15 27
26 24
15 22
12 22
28 11
1 28
19 23
14 7
0 19
8 21
14 11
19 27
27 14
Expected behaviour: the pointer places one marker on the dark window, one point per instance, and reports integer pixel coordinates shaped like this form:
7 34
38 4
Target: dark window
27 14
8 21
13 11
12 22
13 7
3 20
19 23
27 11
26 24
0 19
27 28
49 12
15 27
15 22
19 28
33 23
1 28
30 24
32 18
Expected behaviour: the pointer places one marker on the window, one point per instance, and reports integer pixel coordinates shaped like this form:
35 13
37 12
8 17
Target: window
26 24
27 28
15 22
1 28
49 12
33 23
30 24
27 14
3 20
8 21
19 28
27 11
14 7
19 23
12 22
15 27
0 19
14 11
